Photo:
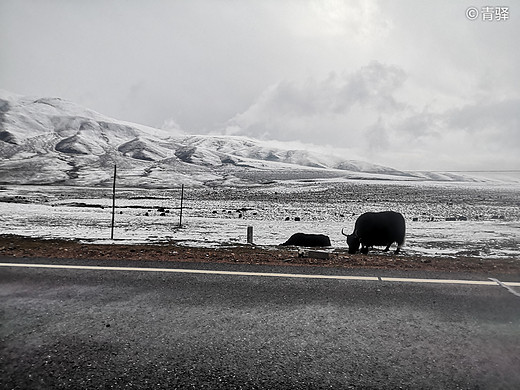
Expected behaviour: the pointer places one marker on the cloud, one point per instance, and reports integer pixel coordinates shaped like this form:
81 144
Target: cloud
377 136
489 116
479 135
337 105
361 113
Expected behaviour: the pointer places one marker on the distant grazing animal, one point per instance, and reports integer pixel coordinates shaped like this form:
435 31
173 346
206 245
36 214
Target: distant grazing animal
379 229
310 240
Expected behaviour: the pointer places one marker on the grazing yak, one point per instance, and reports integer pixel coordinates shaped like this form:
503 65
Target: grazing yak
379 229
309 240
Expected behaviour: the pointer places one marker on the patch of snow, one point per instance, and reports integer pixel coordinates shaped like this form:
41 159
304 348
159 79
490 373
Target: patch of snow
220 216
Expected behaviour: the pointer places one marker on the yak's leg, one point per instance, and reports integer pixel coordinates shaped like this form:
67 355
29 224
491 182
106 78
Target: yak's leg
399 246
387 247
364 249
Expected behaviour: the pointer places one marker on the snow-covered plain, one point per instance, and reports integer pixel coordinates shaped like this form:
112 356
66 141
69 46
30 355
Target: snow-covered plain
57 160
473 219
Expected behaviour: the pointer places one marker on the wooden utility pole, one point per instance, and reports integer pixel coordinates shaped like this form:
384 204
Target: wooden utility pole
182 199
113 204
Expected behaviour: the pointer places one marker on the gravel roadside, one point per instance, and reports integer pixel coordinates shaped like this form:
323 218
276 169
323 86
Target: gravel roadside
20 247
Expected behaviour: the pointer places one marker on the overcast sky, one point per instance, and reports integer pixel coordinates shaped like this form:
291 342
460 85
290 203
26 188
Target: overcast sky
410 84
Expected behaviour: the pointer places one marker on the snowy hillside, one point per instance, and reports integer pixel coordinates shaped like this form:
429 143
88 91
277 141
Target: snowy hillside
50 141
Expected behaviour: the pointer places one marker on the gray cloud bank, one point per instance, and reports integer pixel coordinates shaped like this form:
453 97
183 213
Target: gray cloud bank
362 114
411 84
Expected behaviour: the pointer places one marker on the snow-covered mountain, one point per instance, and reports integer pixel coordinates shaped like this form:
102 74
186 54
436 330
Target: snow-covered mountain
51 141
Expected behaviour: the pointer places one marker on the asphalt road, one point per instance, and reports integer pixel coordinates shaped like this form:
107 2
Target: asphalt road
103 329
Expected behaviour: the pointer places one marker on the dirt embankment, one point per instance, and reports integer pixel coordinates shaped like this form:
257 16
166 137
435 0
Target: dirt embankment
18 246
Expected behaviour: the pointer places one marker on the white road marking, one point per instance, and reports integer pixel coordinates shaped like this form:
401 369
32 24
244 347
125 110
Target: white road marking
491 282
506 286
190 271
440 281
